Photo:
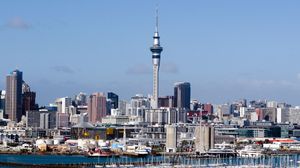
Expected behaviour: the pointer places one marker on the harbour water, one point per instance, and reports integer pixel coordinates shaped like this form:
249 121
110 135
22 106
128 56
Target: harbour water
270 161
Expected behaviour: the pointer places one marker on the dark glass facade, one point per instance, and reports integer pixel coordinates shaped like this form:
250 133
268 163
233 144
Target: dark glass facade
182 95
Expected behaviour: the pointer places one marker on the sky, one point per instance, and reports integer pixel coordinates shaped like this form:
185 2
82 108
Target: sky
227 50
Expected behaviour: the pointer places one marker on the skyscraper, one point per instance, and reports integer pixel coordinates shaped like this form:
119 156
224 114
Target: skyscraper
2 104
96 107
28 99
156 49
81 99
13 101
63 104
182 95
114 99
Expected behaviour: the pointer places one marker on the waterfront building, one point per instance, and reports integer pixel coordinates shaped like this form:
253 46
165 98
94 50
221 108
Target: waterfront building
171 138
13 99
155 132
204 138
182 95
96 107
252 132
115 120
85 130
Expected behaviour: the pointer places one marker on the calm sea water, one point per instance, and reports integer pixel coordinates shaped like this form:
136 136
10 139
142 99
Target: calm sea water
74 159
274 161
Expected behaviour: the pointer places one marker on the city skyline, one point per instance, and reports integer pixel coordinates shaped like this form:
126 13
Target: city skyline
223 55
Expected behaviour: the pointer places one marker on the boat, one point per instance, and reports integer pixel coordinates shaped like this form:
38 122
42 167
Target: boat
101 152
249 151
137 150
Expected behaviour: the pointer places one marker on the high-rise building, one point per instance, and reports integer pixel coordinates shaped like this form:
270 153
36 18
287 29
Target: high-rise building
166 101
209 108
81 99
112 102
138 105
122 107
28 99
96 107
47 120
2 104
63 104
182 95
13 100
194 105
114 99
156 49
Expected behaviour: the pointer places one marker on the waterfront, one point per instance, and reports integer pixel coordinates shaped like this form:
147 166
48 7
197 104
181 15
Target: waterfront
150 161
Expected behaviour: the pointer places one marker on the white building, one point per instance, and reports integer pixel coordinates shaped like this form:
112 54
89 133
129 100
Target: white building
204 138
282 115
292 116
138 106
63 104
272 104
171 138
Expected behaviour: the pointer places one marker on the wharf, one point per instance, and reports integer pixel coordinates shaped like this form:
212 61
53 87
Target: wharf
79 165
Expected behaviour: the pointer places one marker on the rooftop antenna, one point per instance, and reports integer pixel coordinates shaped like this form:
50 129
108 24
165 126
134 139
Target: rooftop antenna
156 25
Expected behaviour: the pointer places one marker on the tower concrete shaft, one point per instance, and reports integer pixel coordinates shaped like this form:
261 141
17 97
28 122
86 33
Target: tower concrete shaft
156 49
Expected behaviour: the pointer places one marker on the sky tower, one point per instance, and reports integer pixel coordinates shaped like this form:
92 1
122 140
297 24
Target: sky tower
156 49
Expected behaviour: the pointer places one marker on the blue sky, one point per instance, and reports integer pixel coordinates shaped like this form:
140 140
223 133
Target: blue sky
226 49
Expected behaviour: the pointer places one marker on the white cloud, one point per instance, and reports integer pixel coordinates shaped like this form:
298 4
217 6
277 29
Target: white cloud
139 69
18 23
265 83
170 68
63 69
298 75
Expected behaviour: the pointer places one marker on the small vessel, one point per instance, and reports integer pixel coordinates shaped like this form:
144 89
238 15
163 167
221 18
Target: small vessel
249 151
101 152
137 150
